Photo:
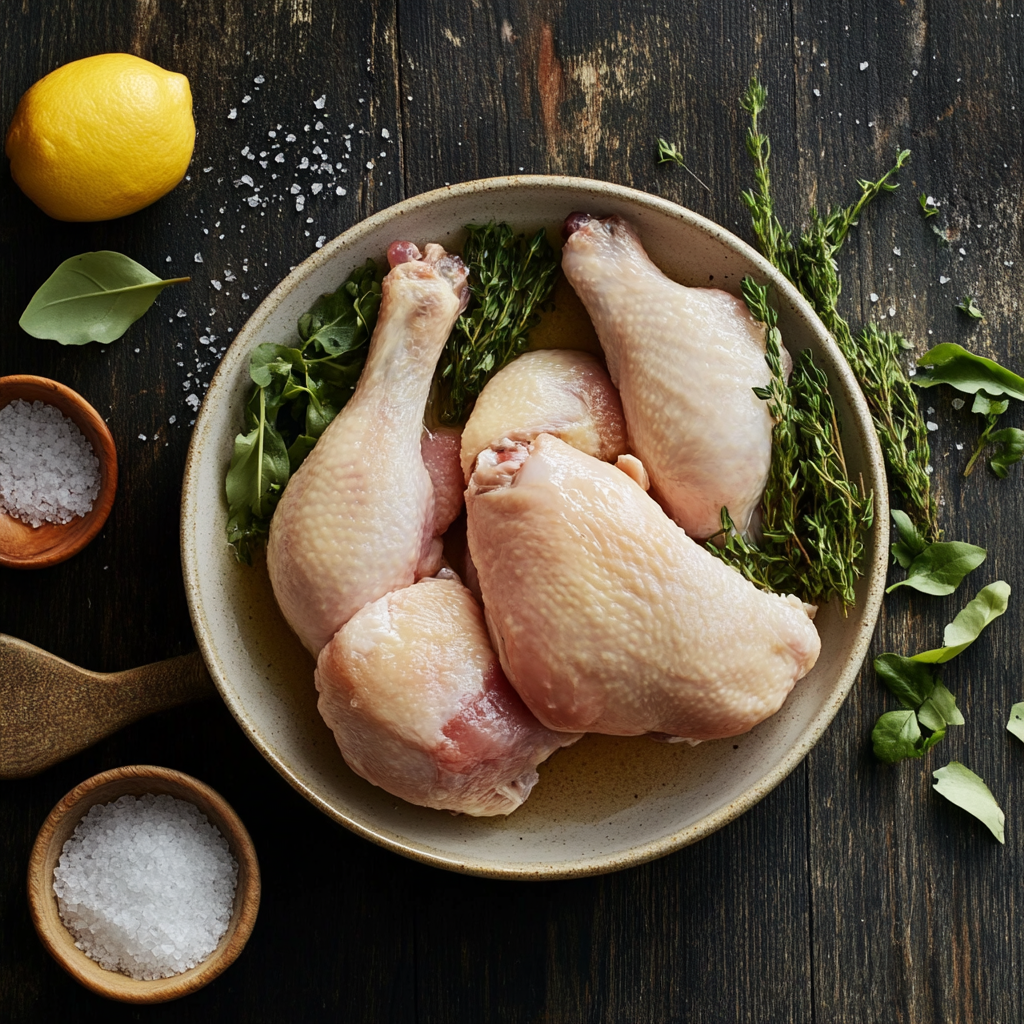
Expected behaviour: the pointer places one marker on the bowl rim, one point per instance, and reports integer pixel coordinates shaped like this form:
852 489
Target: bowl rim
874 572
88 420
58 941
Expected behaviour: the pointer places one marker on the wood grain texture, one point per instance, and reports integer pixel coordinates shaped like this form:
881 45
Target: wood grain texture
853 892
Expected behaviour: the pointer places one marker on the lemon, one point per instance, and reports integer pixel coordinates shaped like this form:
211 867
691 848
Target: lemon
102 137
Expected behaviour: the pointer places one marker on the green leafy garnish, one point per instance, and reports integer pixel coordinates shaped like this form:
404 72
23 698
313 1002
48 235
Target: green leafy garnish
297 391
897 737
939 710
960 786
970 307
1016 723
911 682
928 205
952 364
93 297
1009 441
813 515
936 568
510 279
875 356
987 606
668 153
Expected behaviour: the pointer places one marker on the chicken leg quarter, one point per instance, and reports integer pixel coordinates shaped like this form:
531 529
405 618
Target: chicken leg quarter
357 519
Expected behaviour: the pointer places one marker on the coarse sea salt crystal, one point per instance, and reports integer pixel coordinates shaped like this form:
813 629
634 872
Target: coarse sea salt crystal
48 471
146 886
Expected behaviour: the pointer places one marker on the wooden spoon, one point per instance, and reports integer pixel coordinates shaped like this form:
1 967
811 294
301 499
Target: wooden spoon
35 547
135 780
51 709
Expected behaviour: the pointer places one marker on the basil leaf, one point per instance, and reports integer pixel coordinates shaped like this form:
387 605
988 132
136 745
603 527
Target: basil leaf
941 567
987 606
300 448
896 736
909 681
96 296
984 406
936 737
910 544
952 364
960 786
939 710
1016 722
1012 441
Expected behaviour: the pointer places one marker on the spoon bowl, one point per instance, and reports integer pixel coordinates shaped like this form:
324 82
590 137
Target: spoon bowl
35 547
135 780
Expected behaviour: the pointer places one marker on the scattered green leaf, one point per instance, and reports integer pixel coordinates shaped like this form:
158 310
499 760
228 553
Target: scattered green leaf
96 296
910 543
949 363
1016 722
940 567
970 307
909 681
987 606
939 710
940 234
960 786
668 153
897 736
510 280
1010 449
928 205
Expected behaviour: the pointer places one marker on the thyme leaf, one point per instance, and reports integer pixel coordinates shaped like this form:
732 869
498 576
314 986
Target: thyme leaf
668 153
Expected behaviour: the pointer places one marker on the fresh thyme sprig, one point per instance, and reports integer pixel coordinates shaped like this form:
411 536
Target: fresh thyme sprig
668 153
510 280
813 515
874 356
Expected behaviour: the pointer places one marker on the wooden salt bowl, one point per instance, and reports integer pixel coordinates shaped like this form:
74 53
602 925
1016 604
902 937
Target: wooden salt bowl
35 547
136 780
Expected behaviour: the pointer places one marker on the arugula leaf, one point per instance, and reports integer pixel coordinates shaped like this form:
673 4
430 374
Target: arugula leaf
897 736
970 307
343 320
960 786
939 710
952 364
1016 722
940 567
910 544
1011 449
988 605
907 680
96 296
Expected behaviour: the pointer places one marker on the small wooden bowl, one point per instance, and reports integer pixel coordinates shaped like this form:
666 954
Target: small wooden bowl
135 780
35 547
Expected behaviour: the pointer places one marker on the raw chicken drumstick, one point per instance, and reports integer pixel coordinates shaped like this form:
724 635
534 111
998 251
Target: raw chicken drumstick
419 706
555 391
358 518
607 617
684 361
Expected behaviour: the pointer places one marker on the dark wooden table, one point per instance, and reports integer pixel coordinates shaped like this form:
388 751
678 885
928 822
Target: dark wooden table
852 892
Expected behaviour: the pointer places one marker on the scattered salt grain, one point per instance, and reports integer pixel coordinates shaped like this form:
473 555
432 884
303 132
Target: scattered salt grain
892 311
245 99
957 403
198 257
863 65
259 79
943 279
896 252
146 886
232 113
817 92
873 297
931 425
48 472
320 103
142 437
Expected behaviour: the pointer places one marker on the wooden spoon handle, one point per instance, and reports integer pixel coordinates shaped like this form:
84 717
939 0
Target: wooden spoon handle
51 709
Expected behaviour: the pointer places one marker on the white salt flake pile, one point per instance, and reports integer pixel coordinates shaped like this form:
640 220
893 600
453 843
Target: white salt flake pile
146 886
48 471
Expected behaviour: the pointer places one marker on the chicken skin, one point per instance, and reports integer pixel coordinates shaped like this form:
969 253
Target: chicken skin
684 361
607 617
554 391
358 518
419 706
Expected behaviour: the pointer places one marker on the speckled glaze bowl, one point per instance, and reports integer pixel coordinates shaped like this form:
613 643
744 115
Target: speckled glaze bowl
607 802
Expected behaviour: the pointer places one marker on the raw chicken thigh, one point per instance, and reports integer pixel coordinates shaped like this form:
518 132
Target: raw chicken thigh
554 391
607 617
416 699
684 360
358 518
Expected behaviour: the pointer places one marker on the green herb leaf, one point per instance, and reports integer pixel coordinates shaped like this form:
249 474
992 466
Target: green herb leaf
1016 722
897 736
668 153
940 567
910 544
985 406
952 364
93 297
988 605
341 321
970 307
960 786
909 681
939 710
928 205
1011 450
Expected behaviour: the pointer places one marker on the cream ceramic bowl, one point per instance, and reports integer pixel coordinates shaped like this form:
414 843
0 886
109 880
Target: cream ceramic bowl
607 802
